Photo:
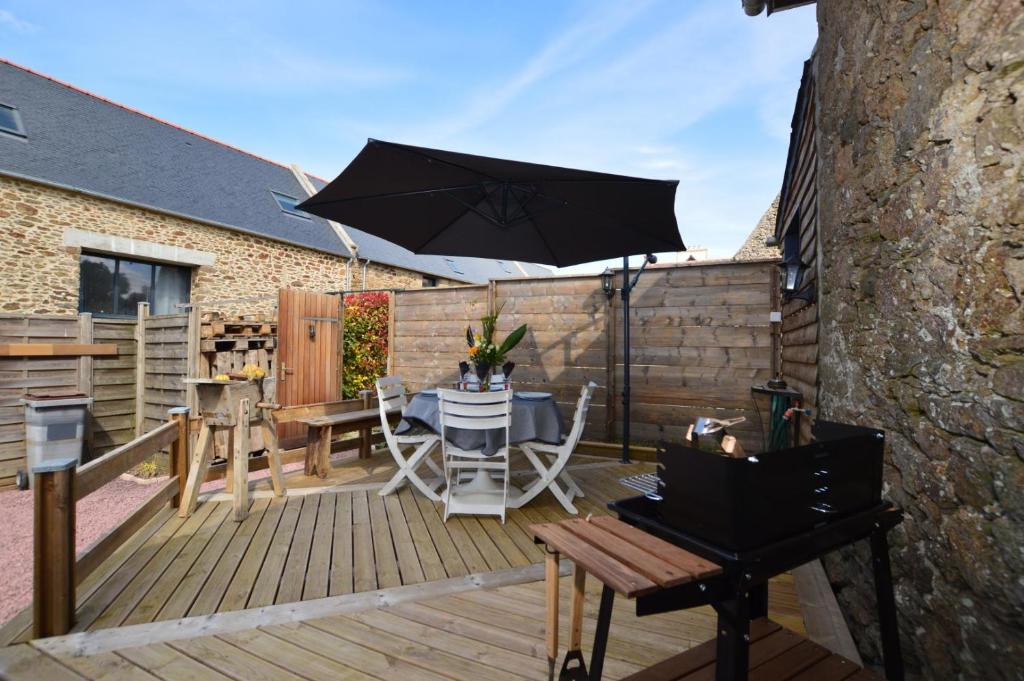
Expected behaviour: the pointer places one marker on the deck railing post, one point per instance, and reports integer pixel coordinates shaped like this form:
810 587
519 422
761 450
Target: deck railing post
365 434
180 455
53 568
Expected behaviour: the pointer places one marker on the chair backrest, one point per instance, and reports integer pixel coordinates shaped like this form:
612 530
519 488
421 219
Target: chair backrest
579 420
474 411
390 396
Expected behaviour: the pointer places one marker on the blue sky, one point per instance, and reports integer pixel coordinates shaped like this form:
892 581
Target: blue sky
692 90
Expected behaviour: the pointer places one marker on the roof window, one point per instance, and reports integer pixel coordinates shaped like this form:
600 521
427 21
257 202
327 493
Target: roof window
504 267
290 205
454 266
10 121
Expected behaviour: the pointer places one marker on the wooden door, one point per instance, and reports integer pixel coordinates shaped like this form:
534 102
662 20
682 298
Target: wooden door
309 328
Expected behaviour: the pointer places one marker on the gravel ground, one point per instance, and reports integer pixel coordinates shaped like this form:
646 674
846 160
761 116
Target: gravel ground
95 515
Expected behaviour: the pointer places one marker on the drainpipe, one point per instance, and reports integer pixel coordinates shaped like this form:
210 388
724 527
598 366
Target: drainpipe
366 266
753 7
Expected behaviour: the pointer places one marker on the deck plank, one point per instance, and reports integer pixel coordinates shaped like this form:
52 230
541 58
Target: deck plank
296 565
318 574
269 579
451 558
383 545
409 567
220 584
170 665
341 547
429 559
315 667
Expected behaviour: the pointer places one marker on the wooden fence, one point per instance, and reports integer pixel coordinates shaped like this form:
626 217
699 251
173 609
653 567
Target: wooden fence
700 336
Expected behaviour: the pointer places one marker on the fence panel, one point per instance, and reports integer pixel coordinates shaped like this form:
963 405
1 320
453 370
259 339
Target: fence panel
166 367
113 386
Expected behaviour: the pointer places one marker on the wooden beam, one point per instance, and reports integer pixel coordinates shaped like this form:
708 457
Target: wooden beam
105 640
53 565
102 548
56 349
140 368
364 434
85 337
179 459
99 472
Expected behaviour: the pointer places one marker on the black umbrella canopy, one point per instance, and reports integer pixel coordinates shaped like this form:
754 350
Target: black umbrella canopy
448 203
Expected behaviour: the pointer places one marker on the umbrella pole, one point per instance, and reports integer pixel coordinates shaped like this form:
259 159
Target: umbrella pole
625 359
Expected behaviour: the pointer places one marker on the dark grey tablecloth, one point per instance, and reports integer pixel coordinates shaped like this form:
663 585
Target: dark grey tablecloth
532 420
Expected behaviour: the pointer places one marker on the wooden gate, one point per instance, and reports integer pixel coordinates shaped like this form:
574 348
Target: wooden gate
309 344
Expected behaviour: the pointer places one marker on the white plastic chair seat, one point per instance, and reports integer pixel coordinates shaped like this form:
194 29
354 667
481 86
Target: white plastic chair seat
390 396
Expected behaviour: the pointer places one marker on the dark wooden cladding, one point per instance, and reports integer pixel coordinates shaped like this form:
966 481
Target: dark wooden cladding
700 337
798 207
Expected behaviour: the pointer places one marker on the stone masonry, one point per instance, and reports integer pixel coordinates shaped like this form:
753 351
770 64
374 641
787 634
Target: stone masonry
40 275
921 127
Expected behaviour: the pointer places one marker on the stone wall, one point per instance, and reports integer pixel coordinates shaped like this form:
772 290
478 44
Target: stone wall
40 275
922 327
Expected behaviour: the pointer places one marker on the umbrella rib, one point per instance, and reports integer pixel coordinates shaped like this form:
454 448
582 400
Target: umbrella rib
395 195
417 152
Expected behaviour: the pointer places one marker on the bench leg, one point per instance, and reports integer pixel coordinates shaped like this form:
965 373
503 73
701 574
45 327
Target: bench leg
732 660
240 497
273 454
229 460
604 620
551 600
324 457
313 436
197 469
891 655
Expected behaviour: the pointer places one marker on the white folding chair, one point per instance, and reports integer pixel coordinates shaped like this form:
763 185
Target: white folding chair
558 457
475 411
391 396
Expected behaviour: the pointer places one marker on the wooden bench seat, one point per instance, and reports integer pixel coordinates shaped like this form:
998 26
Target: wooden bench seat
321 429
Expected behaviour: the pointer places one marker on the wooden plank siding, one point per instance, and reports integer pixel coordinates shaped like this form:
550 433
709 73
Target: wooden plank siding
700 337
111 379
166 367
798 210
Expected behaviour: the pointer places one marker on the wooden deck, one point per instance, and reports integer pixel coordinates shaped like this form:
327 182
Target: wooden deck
461 600
474 635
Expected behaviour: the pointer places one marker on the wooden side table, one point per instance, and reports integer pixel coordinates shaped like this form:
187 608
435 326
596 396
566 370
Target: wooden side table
639 565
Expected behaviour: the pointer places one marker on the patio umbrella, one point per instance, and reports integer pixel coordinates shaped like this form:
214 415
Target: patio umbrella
449 203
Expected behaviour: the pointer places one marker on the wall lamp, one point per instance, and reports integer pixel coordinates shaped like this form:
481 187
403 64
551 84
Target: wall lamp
792 277
607 282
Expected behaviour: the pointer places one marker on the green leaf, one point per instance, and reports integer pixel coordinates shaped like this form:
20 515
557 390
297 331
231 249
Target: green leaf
512 340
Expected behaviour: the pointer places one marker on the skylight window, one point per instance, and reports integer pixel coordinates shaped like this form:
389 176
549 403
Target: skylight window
454 266
504 266
10 120
290 205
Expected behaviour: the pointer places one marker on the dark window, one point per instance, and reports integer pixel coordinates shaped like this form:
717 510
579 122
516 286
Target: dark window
429 282
10 120
454 267
289 205
113 286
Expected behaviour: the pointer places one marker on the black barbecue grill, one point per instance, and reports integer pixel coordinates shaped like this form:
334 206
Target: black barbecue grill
766 514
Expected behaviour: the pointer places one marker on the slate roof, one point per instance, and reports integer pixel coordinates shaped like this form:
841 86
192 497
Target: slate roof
86 143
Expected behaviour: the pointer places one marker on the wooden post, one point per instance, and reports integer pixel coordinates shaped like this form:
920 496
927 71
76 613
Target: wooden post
197 468
492 295
140 369
85 370
391 332
365 434
53 570
192 357
180 452
240 497
341 346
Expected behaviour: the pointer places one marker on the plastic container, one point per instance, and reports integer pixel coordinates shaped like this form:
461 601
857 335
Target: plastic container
54 427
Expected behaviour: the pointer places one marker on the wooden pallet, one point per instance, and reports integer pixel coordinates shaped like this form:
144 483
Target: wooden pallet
230 344
238 327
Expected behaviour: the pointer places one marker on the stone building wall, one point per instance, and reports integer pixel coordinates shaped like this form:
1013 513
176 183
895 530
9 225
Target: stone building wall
921 127
40 275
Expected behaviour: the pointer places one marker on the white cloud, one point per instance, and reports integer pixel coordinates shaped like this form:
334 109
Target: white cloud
9 20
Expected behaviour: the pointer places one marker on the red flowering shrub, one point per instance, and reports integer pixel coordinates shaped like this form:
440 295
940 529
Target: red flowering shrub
366 341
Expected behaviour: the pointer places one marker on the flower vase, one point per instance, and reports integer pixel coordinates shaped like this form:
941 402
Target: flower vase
483 372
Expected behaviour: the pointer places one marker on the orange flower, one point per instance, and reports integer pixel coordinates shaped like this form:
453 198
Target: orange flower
473 350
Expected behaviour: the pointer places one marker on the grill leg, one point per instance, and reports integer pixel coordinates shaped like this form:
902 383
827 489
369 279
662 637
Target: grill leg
604 620
759 601
733 647
886 606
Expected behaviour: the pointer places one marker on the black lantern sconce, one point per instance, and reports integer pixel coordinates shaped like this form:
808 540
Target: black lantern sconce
607 282
793 271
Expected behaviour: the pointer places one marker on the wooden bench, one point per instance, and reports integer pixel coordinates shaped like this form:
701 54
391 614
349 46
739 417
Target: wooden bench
322 428
636 564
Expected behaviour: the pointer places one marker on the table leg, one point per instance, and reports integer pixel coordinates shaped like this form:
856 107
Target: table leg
759 601
551 599
573 666
733 643
886 606
604 620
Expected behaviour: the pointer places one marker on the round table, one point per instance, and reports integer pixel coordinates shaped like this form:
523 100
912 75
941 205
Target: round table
533 420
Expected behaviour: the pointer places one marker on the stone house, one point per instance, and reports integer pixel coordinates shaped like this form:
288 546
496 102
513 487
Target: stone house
102 206
902 207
